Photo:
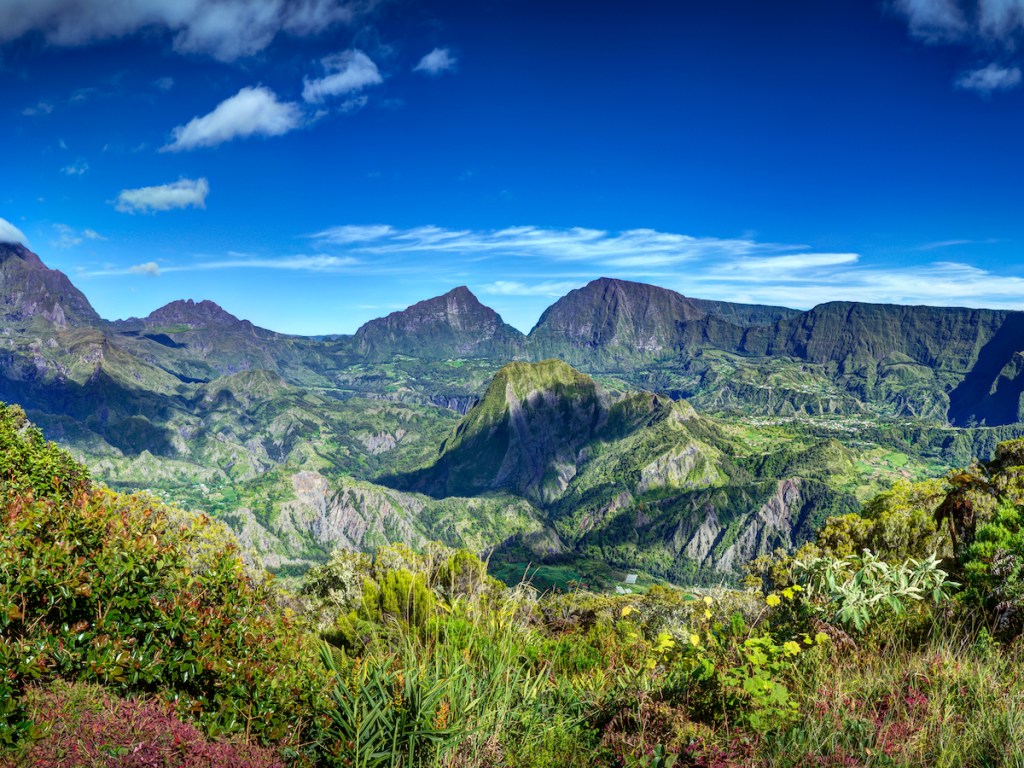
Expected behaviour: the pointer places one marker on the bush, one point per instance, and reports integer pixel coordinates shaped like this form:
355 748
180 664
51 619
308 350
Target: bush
121 591
83 725
29 465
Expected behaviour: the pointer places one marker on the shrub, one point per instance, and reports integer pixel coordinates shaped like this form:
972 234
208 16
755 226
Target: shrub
993 570
857 590
121 591
83 725
31 465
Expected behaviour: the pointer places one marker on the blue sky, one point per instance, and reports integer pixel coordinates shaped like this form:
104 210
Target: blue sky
311 164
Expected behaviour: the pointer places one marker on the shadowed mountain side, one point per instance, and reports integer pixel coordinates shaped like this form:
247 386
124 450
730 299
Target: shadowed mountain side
991 392
543 427
130 420
199 341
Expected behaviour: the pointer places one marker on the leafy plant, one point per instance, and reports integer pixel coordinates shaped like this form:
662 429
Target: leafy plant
856 590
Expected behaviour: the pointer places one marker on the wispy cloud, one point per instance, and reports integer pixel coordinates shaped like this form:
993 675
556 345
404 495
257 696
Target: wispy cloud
250 112
631 248
437 61
989 79
936 284
183 193
225 30
295 263
11 234
550 289
955 243
984 26
68 237
39 108
77 168
348 72
524 262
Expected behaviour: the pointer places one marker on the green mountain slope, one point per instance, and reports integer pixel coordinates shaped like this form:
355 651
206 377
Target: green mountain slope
306 444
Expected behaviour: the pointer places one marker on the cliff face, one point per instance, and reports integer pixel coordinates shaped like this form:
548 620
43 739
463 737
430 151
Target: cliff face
618 321
29 290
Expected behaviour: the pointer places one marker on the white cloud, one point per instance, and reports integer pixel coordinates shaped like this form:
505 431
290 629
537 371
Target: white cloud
250 112
350 71
317 263
181 194
933 21
632 248
224 29
11 234
982 25
797 261
515 288
164 83
150 268
299 262
77 168
68 237
437 61
936 284
988 79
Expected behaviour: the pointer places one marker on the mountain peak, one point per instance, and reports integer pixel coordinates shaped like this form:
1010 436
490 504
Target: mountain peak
454 324
193 313
29 289
9 251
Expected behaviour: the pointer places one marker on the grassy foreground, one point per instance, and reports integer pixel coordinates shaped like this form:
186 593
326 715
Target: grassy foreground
132 634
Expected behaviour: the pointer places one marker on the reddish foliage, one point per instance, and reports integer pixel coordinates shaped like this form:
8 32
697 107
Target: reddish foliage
107 731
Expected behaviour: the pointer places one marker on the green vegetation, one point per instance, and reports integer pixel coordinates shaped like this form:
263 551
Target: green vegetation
130 628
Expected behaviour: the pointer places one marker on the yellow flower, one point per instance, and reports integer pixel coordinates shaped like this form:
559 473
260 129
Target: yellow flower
821 638
788 593
628 610
773 599
708 600
807 640
695 641
791 648
707 614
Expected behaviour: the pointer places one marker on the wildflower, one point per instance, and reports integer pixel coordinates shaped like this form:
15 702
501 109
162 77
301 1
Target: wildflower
708 600
773 600
791 648
695 641
628 609
821 638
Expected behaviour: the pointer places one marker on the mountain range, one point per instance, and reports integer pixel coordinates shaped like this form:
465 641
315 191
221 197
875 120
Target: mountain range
633 426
